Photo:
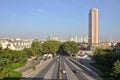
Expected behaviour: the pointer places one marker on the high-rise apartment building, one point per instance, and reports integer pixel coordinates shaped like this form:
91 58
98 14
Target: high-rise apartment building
93 27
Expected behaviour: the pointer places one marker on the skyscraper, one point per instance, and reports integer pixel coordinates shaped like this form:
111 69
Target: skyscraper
93 27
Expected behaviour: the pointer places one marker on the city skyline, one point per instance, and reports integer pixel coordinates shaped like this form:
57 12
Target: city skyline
32 19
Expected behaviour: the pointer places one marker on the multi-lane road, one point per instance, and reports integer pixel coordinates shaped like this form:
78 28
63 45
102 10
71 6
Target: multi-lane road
50 71
70 67
53 70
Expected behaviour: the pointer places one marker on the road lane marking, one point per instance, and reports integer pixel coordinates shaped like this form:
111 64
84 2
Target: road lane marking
51 71
38 69
82 71
70 74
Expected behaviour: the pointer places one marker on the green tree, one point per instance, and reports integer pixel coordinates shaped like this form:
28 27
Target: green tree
105 57
70 46
11 56
117 70
29 52
36 48
50 47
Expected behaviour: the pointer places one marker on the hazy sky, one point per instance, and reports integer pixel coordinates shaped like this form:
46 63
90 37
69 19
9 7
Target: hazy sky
42 18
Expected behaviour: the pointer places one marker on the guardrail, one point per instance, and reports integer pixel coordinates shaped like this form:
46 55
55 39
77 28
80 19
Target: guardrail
89 71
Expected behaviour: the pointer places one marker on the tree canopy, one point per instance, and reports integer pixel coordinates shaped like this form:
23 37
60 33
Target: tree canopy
50 46
70 47
36 46
13 57
109 59
117 69
105 57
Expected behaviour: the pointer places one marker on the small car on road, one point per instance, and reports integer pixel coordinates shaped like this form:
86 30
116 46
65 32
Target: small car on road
76 71
63 71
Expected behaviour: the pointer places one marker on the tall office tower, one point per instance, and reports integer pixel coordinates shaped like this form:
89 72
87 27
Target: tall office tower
93 27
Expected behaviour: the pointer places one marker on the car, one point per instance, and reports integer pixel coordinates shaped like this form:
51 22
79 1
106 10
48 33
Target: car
63 71
76 71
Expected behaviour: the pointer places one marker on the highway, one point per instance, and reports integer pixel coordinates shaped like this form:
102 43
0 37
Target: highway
50 70
63 76
82 75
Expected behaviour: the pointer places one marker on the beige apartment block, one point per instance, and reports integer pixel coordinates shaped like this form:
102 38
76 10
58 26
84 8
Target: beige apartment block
93 27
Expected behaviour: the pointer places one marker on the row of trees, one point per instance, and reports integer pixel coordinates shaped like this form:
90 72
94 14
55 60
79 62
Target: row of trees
55 46
16 58
37 49
50 47
108 58
70 47
8 56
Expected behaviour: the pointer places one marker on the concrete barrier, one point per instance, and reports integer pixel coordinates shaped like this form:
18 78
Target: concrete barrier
89 71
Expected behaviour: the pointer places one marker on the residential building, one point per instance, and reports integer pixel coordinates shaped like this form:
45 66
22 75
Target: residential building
104 45
93 27
15 44
4 43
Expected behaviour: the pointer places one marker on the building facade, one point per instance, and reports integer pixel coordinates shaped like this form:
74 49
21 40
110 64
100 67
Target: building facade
15 44
93 27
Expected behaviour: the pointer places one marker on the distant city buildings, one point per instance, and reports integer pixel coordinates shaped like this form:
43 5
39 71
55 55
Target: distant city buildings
79 39
74 38
93 27
56 38
15 44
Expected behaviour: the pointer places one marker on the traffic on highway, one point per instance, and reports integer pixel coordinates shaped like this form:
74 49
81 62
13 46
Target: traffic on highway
62 67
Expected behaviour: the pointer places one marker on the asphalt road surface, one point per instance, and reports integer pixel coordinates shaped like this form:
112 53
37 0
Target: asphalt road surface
81 75
50 71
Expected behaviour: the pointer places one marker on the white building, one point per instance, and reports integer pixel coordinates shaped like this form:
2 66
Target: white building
79 39
15 44
4 43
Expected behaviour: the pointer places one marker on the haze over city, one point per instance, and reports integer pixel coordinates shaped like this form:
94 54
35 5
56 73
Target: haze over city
43 18
59 39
